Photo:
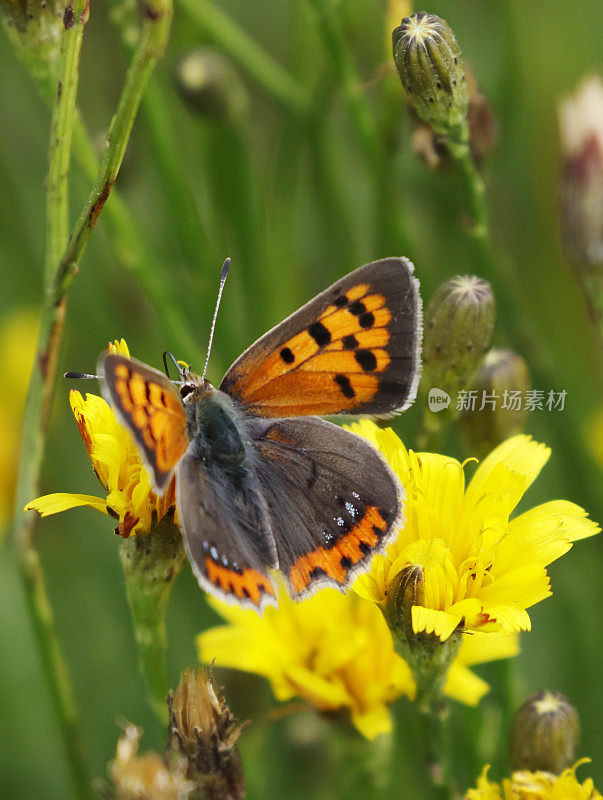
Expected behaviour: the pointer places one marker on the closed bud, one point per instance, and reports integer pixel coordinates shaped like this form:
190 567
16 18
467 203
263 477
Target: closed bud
210 86
203 729
459 323
498 408
545 735
581 133
429 62
35 29
427 656
147 776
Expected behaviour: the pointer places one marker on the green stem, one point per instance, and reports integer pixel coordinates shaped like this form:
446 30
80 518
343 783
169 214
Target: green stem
436 743
363 769
58 275
151 564
250 56
37 410
154 34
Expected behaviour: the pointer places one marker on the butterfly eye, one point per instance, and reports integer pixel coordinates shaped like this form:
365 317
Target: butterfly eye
186 389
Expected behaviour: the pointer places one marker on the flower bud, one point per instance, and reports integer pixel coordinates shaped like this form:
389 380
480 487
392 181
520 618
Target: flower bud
581 133
497 408
210 86
203 729
431 69
427 656
459 323
545 735
148 776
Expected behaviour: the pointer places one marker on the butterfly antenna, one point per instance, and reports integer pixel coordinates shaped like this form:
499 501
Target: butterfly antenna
80 376
223 276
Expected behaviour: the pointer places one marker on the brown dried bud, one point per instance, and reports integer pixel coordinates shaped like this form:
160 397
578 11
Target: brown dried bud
546 732
204 730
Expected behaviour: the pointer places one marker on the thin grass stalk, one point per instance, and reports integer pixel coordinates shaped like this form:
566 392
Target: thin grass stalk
58 275
37 411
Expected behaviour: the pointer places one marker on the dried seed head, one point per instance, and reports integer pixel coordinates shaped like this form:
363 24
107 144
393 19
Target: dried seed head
210 86
546 733
147 776
500 408
204 730
429 62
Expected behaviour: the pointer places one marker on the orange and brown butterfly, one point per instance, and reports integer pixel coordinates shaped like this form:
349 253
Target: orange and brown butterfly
261 482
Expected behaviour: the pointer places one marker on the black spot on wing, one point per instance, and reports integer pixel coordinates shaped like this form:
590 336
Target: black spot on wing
319 333
366 320
366 359
287 355
340 301
346 387
357 308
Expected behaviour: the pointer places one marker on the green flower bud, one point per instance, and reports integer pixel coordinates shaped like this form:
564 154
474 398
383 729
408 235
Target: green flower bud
496 407
432 72
428 658
545 735
459 323
35 29
210 86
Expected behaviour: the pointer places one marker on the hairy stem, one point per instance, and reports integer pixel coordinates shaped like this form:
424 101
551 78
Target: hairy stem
38 404
58 274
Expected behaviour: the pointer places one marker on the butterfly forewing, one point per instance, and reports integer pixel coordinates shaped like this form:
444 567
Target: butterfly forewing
353 349
333 501
150 407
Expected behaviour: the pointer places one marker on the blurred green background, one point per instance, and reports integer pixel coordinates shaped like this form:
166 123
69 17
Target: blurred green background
295 206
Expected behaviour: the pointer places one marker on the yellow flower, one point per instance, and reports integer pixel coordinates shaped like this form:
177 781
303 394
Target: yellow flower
535 786
481 569
336 652
18 336
115 459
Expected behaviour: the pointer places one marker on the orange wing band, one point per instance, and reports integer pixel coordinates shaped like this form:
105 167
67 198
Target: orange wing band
337 561
246 585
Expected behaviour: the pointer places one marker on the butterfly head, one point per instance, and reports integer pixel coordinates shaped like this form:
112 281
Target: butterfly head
189 383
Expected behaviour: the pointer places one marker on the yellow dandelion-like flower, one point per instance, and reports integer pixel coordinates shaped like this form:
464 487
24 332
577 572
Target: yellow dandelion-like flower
481 568
336 652
526 785
115 459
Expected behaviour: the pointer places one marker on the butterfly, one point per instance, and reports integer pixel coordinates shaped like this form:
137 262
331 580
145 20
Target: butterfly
262 482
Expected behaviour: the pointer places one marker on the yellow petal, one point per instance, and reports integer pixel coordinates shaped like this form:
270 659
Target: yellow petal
62 501
520 455
478 648
464 686
374 722
234 647
547 531
322 692
429 620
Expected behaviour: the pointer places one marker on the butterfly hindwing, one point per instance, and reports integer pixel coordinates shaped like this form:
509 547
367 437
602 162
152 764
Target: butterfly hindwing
353 349
150 407
225 529
333 501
